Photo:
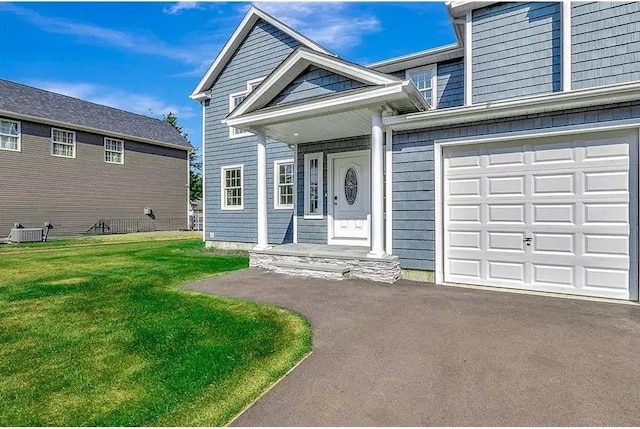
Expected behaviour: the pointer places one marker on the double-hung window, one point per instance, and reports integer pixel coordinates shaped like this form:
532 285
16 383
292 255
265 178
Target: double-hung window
235 100
63 143
113 151
425 79
283 184
9 135
313 185
232 183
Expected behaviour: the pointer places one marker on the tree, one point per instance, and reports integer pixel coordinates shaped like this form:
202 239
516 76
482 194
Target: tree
195 162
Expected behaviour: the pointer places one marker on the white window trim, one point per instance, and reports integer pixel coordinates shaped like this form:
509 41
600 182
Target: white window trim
307 157
74 143
223 199
105 150
233 132
434 81
19 125
276 185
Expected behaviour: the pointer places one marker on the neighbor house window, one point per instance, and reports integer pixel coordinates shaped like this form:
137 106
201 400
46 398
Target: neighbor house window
9 135
232 182
425 80
313 185
113 151
63 143
283 184
235 100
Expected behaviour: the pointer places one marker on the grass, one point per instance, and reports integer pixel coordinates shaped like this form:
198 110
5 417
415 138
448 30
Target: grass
96 332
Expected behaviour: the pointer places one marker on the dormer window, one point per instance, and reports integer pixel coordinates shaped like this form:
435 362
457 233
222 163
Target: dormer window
425 79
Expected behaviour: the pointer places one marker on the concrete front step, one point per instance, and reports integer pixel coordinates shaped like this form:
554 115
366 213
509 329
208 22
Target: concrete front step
312 269
335 266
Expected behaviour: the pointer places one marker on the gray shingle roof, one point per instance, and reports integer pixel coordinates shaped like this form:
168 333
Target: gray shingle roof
26 100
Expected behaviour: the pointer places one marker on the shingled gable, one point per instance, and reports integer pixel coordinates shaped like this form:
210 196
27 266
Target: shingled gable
250 19
32 104
299 62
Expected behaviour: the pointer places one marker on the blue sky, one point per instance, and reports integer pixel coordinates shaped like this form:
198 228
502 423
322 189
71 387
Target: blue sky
148 57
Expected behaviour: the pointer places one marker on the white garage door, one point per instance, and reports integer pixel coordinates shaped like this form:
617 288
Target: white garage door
547 214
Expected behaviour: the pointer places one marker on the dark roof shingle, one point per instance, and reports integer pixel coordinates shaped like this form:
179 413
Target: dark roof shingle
46 105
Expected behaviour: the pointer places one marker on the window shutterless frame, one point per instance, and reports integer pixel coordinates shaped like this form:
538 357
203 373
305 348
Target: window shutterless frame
283 189
313 186
238 97
433 84
232 185
60 138
113 151
7 135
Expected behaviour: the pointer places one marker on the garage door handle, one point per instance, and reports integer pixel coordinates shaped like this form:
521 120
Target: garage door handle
528 240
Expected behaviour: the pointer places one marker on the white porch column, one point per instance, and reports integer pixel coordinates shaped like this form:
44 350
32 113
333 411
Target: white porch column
263 240
377 186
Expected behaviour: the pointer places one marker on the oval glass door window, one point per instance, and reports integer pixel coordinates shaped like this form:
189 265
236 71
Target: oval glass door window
351 186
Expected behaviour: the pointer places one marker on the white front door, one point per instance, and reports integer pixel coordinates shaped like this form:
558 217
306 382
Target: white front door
349 198
551 214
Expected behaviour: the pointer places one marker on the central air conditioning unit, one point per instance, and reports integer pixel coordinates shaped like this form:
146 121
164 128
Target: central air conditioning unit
26 235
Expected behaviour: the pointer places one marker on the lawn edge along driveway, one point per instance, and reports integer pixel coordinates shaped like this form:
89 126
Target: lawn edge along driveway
105 335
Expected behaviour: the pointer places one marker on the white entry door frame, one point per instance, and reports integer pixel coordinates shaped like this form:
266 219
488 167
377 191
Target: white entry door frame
349 222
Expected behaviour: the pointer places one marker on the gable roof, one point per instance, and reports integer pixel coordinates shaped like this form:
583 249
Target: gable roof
28 103
253 15
295 64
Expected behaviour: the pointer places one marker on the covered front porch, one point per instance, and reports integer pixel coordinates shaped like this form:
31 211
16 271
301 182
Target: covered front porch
330 113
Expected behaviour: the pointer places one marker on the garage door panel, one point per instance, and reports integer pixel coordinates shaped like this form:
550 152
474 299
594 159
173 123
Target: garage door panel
606 213
511 271
606 181
559 213
549 215
553 243
507 185
545 184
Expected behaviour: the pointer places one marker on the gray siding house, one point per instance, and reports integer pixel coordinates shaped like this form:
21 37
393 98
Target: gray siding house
73 163
508 159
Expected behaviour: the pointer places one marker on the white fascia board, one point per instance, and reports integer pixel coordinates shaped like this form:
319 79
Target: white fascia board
617 93
75 127
430 56
236 39
293 65
459 8
300 111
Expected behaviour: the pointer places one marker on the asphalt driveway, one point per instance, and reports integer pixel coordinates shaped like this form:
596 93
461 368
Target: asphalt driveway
422 355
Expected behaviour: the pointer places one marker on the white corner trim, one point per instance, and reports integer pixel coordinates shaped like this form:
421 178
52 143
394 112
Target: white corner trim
19 129
204 175
439 225
295 193
276 184
468 59
223 200
389 191
243 29
566 45
307 157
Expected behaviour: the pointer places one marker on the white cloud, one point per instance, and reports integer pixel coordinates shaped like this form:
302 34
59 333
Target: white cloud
110 37
178 7
143 104
330 24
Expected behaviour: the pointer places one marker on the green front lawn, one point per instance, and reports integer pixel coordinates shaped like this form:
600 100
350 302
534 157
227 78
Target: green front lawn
98 333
